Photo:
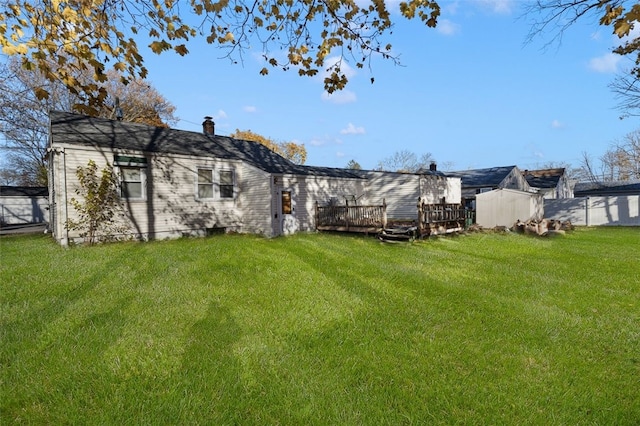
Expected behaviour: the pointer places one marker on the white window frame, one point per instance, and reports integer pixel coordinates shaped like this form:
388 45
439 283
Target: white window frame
212 183
124 162
232 185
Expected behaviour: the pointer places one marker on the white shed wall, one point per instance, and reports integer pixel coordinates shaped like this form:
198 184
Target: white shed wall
503 207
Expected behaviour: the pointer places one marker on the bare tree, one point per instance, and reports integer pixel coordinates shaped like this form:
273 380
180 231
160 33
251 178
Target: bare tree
626 89
620 162
24 116
405 161
621 16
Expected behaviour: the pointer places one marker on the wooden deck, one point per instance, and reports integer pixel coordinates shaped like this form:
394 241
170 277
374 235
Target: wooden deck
346 218
436 219
433 219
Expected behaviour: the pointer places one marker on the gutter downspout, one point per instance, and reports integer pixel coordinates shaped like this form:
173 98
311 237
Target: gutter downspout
65 241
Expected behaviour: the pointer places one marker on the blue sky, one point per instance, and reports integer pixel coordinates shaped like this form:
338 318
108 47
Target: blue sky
471 92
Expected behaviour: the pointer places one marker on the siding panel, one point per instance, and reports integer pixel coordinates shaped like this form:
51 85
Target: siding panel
171 208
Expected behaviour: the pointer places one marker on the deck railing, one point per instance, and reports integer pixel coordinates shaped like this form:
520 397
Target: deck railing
441 218
351 218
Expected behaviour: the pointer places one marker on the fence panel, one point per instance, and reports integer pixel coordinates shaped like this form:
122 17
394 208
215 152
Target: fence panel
622 210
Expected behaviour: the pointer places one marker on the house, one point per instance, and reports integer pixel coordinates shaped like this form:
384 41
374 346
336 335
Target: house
23 205
477 181
175 183
503 207
551 183
401 191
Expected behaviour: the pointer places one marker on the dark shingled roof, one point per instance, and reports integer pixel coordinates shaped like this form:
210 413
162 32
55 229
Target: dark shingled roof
482 178
24 191
582 189
100 132
544 178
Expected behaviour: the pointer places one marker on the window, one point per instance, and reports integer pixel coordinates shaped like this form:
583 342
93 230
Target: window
205 183
132 176
132 182
286 202
226 184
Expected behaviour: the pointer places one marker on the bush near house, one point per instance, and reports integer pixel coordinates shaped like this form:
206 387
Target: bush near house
323 329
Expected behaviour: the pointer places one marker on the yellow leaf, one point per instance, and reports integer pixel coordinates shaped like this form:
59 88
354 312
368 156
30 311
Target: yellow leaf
15 49
622 28
41 93
181 50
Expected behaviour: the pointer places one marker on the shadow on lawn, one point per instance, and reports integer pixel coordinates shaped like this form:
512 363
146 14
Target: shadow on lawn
211 377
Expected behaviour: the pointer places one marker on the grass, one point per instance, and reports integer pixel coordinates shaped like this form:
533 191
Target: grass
320 329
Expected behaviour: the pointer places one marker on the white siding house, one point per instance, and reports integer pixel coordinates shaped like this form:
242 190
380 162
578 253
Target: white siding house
176 183
551 183
401 191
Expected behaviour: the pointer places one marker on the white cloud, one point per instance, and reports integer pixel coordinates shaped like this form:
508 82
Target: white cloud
339 154
607 63
250 108
450 8
317 142
556 124
339 97
447 27
633 34
337 60
220 115
499 6
353 130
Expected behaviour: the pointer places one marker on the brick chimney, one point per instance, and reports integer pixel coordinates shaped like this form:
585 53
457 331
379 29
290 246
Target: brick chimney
433 167
208 126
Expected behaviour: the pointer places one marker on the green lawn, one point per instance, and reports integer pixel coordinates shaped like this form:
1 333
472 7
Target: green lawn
320 329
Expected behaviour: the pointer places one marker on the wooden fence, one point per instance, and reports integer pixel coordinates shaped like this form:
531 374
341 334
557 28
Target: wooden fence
368 219
434 219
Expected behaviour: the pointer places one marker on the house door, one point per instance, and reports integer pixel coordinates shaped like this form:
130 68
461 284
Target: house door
287 212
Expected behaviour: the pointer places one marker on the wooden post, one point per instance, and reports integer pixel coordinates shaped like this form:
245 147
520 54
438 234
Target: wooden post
420 218
384 213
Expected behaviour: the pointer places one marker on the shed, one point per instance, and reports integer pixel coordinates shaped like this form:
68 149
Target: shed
477 181
503 207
